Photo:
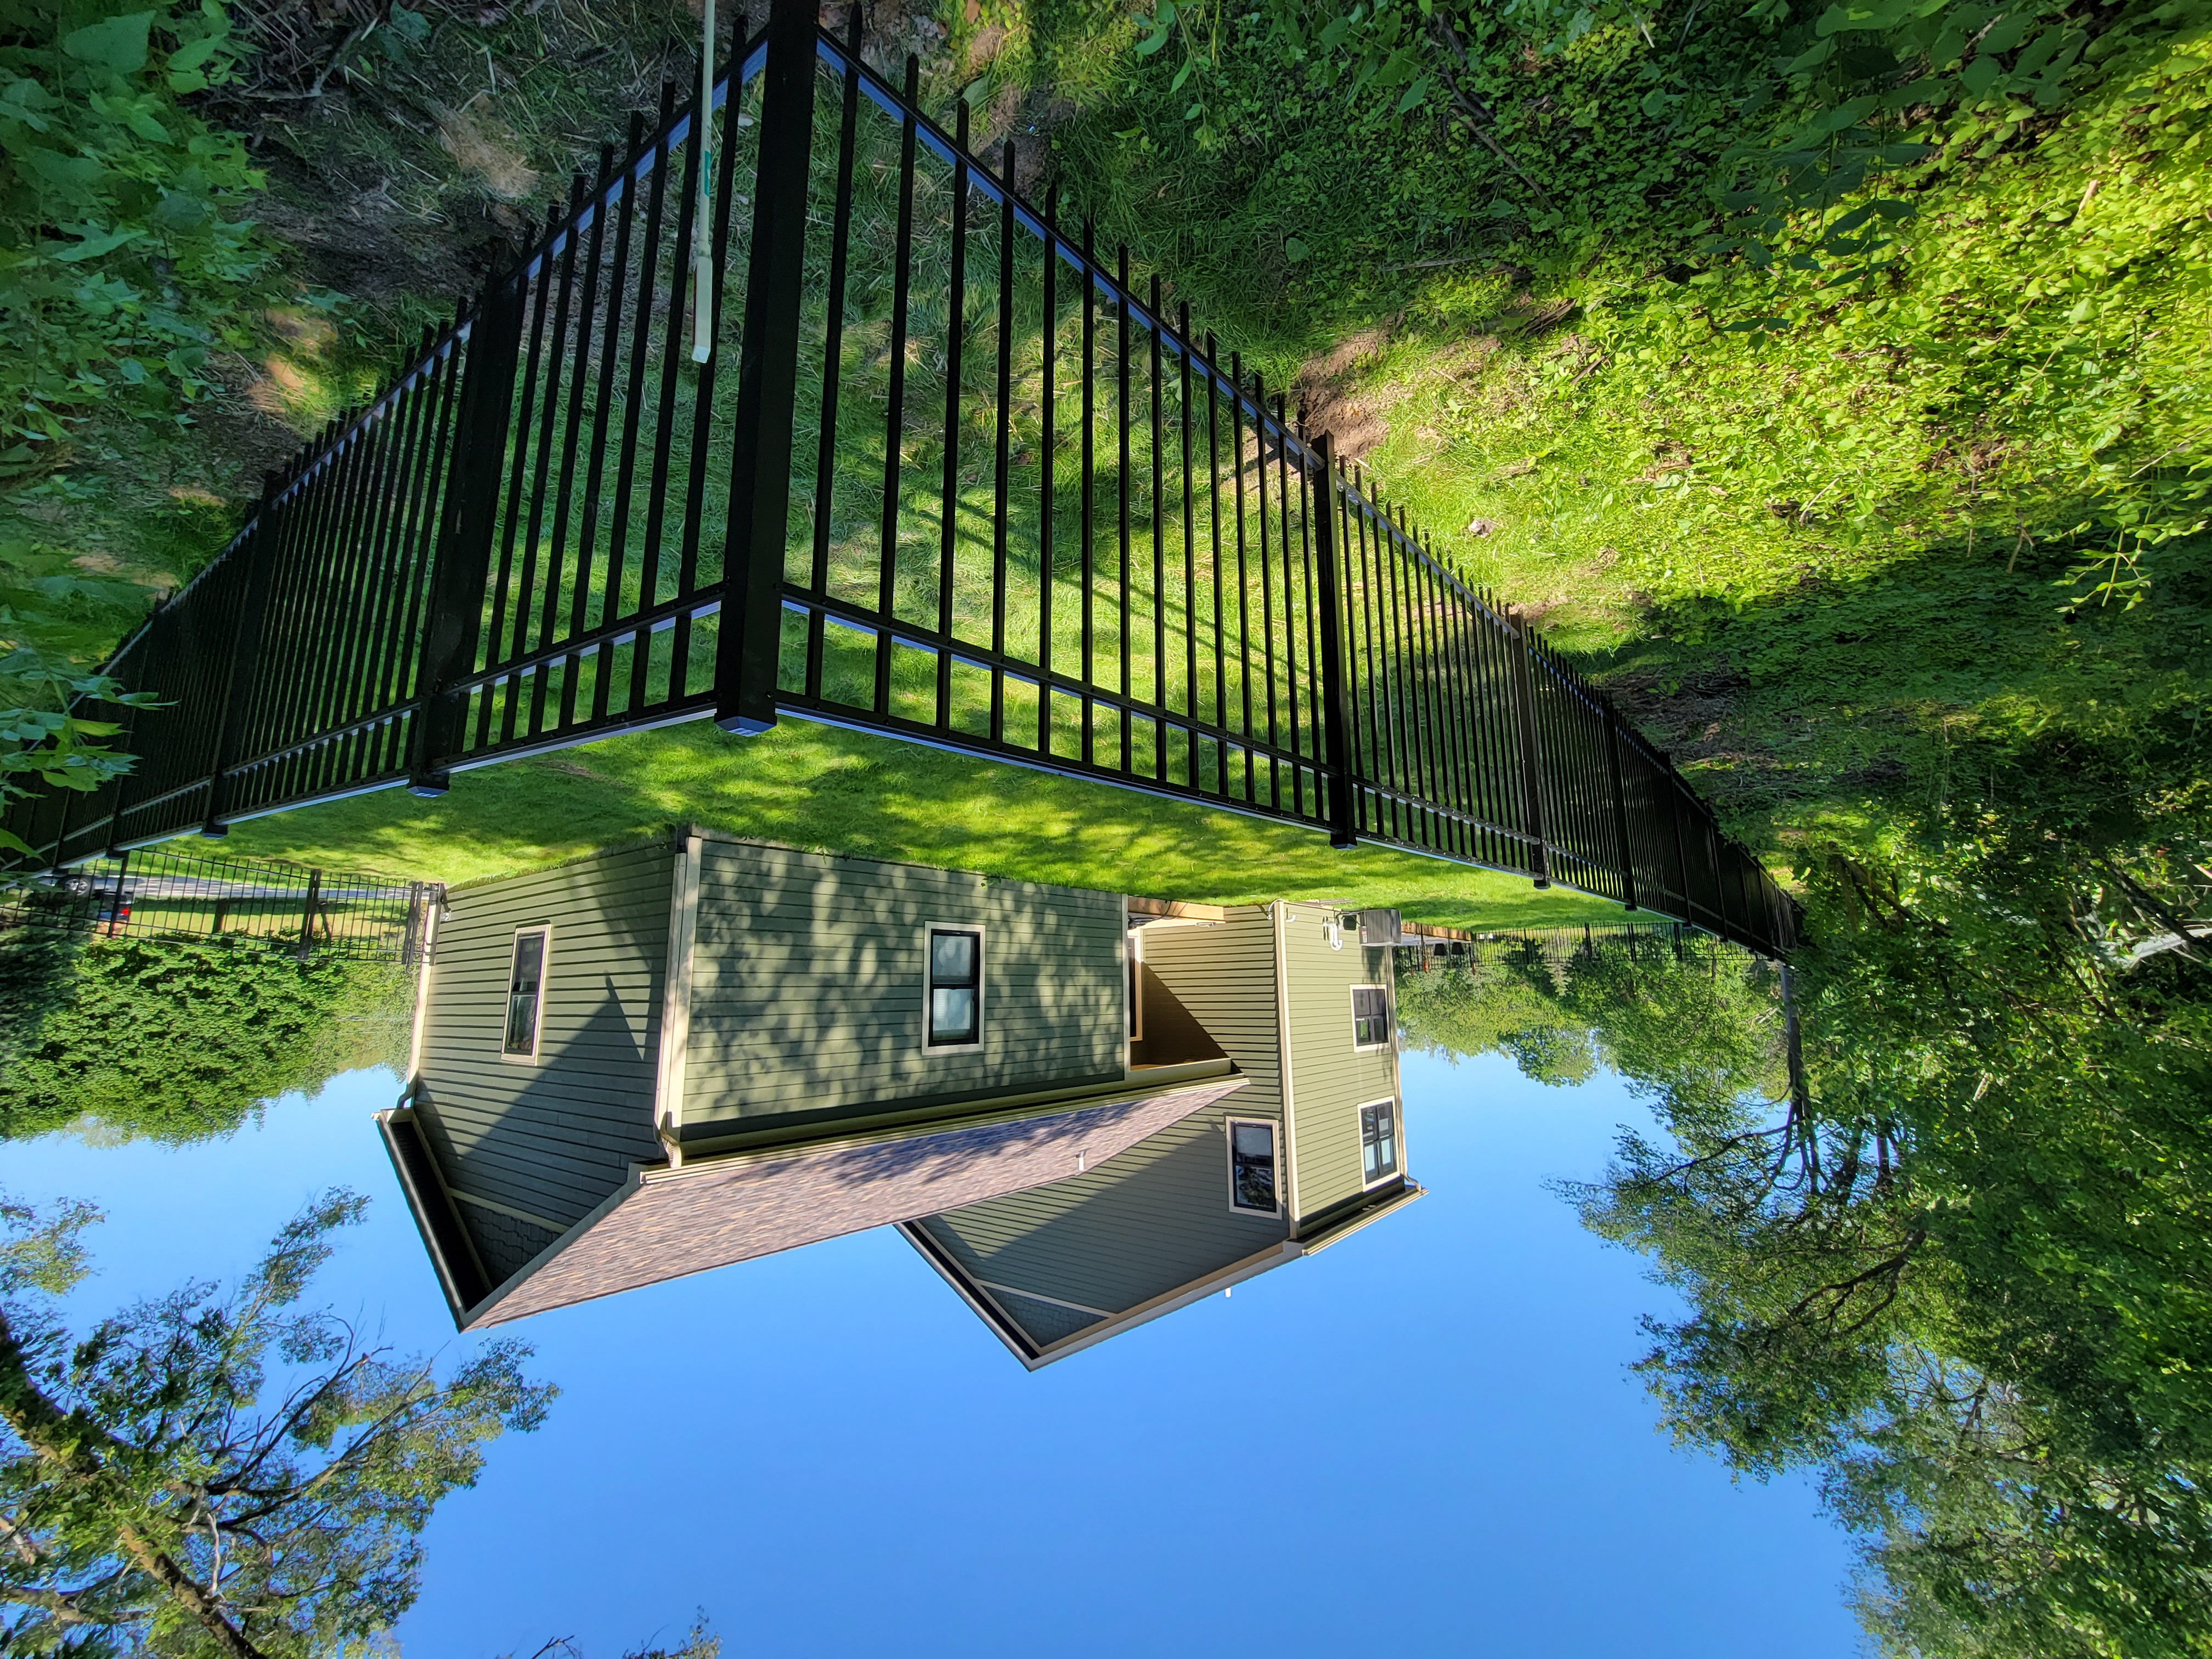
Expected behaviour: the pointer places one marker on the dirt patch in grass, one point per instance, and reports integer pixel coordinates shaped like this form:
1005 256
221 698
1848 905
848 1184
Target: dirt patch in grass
485 147
1326 390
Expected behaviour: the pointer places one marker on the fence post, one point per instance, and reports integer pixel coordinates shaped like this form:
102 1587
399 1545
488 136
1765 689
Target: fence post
61 830
237 710
1524 721
1714 842
454 610
307 913
1336 728
119 802
751 627
121 875
414 920
1620 806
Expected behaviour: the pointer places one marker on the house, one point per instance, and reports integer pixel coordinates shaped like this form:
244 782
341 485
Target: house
666 1058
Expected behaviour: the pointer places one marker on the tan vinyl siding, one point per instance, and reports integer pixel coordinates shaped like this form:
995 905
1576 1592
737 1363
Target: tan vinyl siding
553 1139
1140 1226
806 989
1329 1082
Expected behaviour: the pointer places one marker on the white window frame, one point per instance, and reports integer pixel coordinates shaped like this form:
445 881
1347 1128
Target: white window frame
507 990
1134 955
1274 1129
1390 1022
1397 1137
983 985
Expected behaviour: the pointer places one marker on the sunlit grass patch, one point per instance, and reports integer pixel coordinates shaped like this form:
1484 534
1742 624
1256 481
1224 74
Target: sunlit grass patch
816 786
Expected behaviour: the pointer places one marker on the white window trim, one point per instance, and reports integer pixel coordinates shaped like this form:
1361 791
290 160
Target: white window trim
1228 1156
982 987
537 1019
1134 968
1389 1023
1397 1135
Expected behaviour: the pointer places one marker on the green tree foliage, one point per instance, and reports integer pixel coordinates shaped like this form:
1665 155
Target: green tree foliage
175 1039
1502 1000
1962 1278
124 262
1756 124
1694 1021
210 1473
53 621
121 261
1966 1282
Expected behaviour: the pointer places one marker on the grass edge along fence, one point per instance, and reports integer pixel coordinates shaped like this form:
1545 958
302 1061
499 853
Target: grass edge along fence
900 452
156 893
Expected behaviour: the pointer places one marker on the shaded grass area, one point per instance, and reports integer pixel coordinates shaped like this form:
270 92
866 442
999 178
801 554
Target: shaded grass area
821 787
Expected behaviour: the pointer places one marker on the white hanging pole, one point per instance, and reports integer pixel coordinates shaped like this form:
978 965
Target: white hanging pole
703 236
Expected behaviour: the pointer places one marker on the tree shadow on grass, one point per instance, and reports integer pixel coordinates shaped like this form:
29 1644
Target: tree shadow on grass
1933 678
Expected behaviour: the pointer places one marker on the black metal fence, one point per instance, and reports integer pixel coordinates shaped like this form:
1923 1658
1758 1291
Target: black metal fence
931 464
155 893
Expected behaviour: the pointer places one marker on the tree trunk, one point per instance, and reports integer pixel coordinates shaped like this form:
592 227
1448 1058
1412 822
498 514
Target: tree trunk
64 1442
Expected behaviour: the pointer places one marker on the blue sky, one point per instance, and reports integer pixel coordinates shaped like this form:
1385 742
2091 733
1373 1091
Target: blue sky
1423 1441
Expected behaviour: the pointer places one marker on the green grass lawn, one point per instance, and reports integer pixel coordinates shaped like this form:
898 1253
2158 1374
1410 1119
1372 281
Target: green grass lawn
816 786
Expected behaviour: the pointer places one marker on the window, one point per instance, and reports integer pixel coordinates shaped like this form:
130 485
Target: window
956 987
1252 1167
525 993
1370 1016
1378 1141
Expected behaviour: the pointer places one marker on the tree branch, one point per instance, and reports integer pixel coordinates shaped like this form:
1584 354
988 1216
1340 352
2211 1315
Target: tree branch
2142 895
197 1601
1473 114
65 1440
61 1604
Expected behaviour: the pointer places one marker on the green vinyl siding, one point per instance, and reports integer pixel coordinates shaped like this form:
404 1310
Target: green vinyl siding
807 989
1223 975
550 1138
1172 1034
1329 1081
1140 1226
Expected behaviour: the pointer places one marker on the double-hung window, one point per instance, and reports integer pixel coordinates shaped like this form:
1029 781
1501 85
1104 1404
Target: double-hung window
1252 1167
525 993
955 990
1378 1141
1370 1016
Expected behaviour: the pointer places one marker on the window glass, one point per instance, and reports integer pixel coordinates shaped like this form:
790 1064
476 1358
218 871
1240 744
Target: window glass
1371 1016
951 1016
1252 1166
952 958
956 986
525 980
1378 1140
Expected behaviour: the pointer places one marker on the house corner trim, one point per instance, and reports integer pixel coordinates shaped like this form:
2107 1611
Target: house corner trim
676 995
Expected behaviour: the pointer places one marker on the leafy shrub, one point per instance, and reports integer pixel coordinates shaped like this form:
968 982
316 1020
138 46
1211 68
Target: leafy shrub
121 263
173 1041
52 619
